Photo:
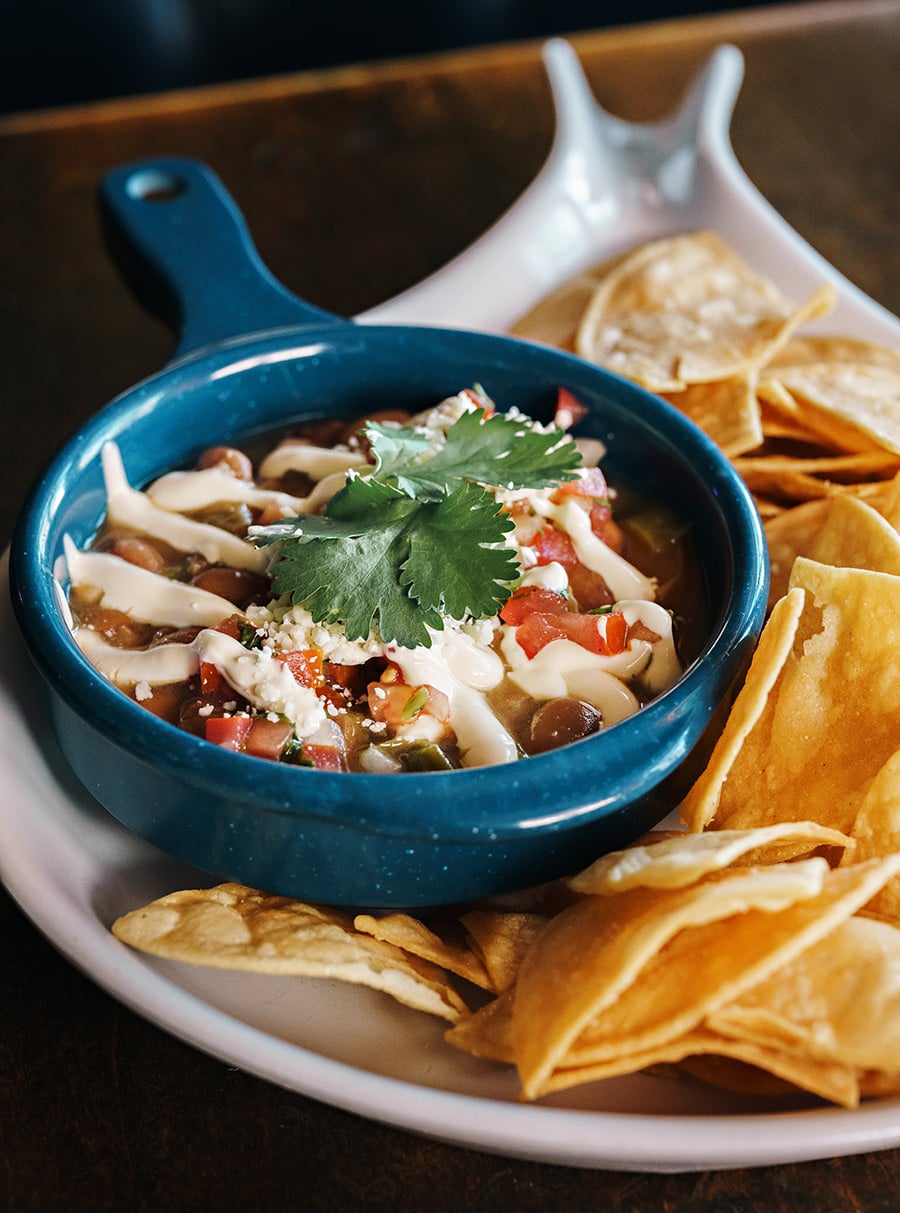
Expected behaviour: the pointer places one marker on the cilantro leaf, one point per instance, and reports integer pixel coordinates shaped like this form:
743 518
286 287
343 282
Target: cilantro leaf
461 579
344 568
498 450
383 560
418 537
396 447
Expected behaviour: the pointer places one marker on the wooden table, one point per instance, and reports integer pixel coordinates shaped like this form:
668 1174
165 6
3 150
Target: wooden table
356 183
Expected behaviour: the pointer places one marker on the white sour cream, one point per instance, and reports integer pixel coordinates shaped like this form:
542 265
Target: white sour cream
462 669
144 595
127 667
315 461
209 486
126 506
623 578
266 682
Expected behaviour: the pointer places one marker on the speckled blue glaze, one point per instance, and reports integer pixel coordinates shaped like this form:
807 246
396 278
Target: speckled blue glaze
253 357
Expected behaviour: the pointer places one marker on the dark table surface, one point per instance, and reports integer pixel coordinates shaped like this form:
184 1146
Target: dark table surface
350 182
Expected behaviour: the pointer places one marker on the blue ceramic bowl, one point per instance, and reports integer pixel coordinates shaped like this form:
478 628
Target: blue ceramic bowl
253 357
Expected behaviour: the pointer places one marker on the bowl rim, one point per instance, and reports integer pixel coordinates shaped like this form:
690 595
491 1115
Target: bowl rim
304 793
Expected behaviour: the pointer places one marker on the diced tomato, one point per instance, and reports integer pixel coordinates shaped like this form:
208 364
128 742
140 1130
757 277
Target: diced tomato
397 703
232 626
342 684
530 599
346 676
604 635
536 631
482 402
306 666
605 528
268 738
583 630
388 702
518 507
551 544
615 633
210 678
569 409
323 757
229 732
592 484
438 704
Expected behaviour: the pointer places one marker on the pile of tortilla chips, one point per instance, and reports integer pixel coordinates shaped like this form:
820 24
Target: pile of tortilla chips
759 949
807 420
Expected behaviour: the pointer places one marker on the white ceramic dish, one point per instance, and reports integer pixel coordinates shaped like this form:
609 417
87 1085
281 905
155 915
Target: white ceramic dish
72 868
607 185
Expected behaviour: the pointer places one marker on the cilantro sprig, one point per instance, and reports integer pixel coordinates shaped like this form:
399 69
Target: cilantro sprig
419 537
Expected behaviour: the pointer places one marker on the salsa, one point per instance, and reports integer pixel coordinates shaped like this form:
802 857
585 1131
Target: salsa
227 598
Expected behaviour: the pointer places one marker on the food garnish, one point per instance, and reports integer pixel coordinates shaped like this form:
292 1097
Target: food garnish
418 538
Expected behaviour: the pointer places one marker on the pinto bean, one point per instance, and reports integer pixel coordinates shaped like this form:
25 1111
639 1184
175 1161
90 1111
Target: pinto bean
230 457
559 721
140 552
240 586
164 700
183 635
589 588
193 713
118 628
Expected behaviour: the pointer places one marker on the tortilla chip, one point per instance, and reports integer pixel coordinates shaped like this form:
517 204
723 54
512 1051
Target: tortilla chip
757 1070
500 940
829 722
838 1001
789 534
768 509
699 968
776 428
793 480
841 530
555 319
701 804
801 351
233 927
879 1083
735 1064
416 939
844 401
831 530
887 501
726 410
543 899
488 1032
688 310
676 861
876 831
588 957
854 535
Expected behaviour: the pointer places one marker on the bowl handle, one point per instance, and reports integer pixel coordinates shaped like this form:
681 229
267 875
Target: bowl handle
182 245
